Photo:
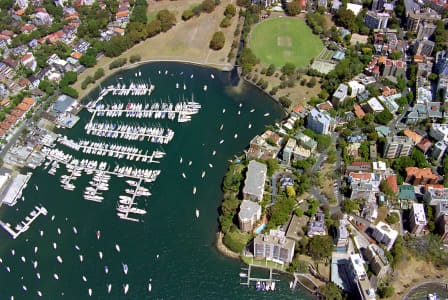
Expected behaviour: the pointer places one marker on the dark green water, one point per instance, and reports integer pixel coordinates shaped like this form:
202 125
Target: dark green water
189 266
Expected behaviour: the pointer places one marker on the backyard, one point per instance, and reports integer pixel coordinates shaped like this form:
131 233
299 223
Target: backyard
283 39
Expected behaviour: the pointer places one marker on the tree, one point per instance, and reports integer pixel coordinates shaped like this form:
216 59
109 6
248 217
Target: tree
208 6
288 68
346 19
285 101
230 11
243 3
323 142
299 212
392 218
154 27
87 60
312 82
320 247
386 291
225 22
419 158
69 91
271 70
218 40
134 58
384 117
290 191
69 78
187 14
98 74
167 19
247 58
293 8
331 291
350 206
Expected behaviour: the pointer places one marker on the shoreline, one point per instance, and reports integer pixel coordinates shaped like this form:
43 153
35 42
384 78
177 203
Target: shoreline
422 283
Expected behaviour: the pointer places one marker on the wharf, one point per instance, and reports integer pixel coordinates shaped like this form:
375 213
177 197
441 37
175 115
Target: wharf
255 279
126 214
116 153
25 225
123 133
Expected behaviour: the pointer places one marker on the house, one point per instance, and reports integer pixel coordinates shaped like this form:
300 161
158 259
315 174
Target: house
306 141
299 111
383 233
355 8
29 61
424 145
42 18
250 213
374 106
285 182
360 114
389 102
10 62
255 180
27 28
5 102
301 153
420 176
358 166
398 146
320 122
416 138
274 246
361 190
433 195
317 225
340 94
379 263
324 107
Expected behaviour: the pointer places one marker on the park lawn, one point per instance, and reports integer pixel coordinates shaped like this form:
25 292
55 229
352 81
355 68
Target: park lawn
281 40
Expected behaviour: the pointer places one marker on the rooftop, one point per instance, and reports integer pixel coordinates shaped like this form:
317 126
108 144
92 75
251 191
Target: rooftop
248 209
254 183
419 213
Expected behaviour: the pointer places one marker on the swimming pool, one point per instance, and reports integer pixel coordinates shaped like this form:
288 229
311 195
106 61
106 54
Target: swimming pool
260 228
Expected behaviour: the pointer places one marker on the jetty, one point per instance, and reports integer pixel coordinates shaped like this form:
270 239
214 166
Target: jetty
124 213
24 225
248 279
112 150
133 133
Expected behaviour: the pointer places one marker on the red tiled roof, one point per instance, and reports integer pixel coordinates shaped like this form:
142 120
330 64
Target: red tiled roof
413 135
298 108
23 106
29 101
360 163
28 27
24 82
360 176
392 182
76 55
26 57
11 119
4 102
424 145
5 125
436 186
17 112
421 173
2 132
358 111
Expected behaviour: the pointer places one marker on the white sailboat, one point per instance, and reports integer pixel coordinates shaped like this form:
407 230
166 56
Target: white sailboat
56 276
38 275
214 153
109 288
183 175
81 258
266 114
41 233
203 174
149 285
55 245
39 293
223 110
194 190
235 136
221 141
90 292
75 231
252 110
212 76
35 264
117 247
197 213
59 231
125 269
250 126
210 165
190 163
180 160
59 259
100 254
13 252
126 288
23 259
35 249
84 278
222 126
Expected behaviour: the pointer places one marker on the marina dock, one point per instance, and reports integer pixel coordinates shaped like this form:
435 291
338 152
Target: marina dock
248 279
25 225
126 214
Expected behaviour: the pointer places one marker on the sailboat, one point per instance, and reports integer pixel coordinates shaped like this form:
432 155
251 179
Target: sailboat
109 288
23 259
59 259
252 110
223 110
106 270
81 258
75 230
117 247
250 126
126 288
38 275
266 114
41 233
90 292
149 285
214 152
55 245
35 249
13 252
39 293
125 268
36 187
222 126
183 175
98 234
190 163
194 190
59 231
84 278
100 254
197 213
203 174
35 264
56 276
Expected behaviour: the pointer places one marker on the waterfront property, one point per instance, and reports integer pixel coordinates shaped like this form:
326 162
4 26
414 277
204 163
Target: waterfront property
250 213
255 180
281 40
274 246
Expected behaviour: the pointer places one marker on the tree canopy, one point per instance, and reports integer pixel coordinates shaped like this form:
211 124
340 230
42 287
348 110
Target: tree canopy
218 40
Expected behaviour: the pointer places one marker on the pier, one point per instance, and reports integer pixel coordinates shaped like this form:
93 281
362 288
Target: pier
120 154
250 279
25 225
155 135
126 214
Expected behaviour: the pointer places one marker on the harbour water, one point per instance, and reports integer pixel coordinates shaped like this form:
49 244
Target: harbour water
169 245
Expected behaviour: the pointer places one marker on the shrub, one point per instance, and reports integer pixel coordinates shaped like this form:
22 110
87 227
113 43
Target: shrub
225 22
187 14
218 40
117 63
285 101
98 74
134 58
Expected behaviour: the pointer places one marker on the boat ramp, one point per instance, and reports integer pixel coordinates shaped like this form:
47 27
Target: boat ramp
24 225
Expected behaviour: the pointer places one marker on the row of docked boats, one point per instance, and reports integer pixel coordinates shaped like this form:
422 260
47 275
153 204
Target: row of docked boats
155 110
134 89
133 133
100 182
265 286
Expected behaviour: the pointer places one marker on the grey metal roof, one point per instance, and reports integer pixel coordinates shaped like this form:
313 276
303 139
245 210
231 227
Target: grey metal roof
248 209
256 174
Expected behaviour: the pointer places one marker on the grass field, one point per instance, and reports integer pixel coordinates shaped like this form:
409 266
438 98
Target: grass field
281 40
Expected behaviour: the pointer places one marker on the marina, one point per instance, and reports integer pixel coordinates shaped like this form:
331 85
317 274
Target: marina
24 225
133 133
264 284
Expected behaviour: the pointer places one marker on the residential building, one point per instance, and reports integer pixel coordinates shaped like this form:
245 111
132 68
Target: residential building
317 226
377 5
357 88
406 192
340 94
416 138
439 132
383 233
423 47
420 176
322 3
376 20
439 150
274 246
299 112
417 218
397 146
288 150
394 68
379 263
423 15
306 141
433 195
255 179
357 264
342 236
250 213
425 30
442 225
29 61
355 8
374 106
389 102
441 208
424 145
301 153
320 122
